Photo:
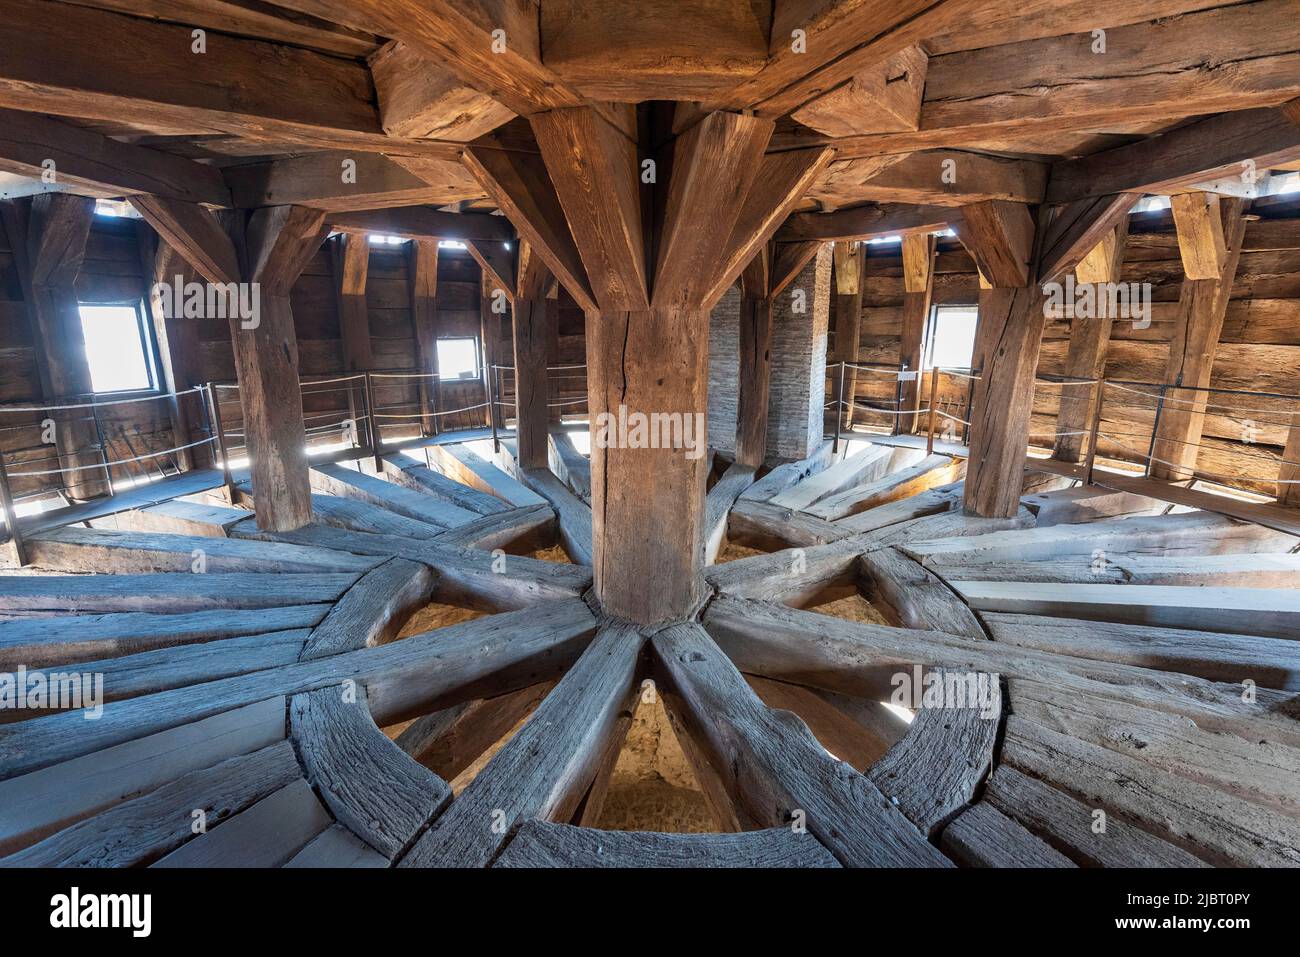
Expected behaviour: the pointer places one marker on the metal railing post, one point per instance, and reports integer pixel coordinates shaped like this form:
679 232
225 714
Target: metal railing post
839 412
934 402
215 405
1155 427
376 439
898 398
11 517
1093 432
489 379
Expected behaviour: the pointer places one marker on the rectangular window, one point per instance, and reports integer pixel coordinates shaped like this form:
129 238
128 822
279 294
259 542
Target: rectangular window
950 339
458 359
117 348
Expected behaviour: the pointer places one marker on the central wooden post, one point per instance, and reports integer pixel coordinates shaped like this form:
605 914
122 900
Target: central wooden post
646 231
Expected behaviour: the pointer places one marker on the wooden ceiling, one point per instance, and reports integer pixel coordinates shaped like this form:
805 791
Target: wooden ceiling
927 103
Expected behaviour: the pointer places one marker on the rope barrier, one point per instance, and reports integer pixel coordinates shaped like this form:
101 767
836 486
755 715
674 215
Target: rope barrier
102 465
421 415
97 405
1270 480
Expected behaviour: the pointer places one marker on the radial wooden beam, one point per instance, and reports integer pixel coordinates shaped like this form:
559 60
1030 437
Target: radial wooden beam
339 180
866 222
1229 145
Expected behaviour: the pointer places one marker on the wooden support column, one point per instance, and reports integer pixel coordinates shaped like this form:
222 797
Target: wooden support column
48 237
850 278
422 273
755 364
1089 336
647 282
1202 306
532 387
918 292
490 337
1008 339
554 410
262 256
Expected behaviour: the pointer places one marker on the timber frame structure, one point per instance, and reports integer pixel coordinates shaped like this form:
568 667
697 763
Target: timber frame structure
1081 548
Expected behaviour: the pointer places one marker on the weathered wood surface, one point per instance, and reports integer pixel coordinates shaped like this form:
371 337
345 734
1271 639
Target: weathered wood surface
933 502
351 514
1248 570
769 526
1271 612
336 846
571 512
1193 533
1217 657
373 610
42 802
410 473
367 782
907 594
543 844
268 834
717 506
448 741
45 642
945 756
773 766
944 525
544 770
862 467
515 529
177 517
1203 820
860 660
569 465
838 732
930 472
982 836
93 550
788 474
1070 825
474 659
796 576
143 829
467 467
464 575
175 667
1087 503
343 482
1261 771
176 593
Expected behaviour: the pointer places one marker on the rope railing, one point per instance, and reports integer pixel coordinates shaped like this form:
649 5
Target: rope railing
98 404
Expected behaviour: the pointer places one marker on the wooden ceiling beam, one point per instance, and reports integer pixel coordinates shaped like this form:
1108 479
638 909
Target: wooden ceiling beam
195 233
423 98
1076 229
84 159
938 177
493 46
520 185
421 222
999 236
782 181
866 222
830 48
1229 145
76 61
343 180
886 97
